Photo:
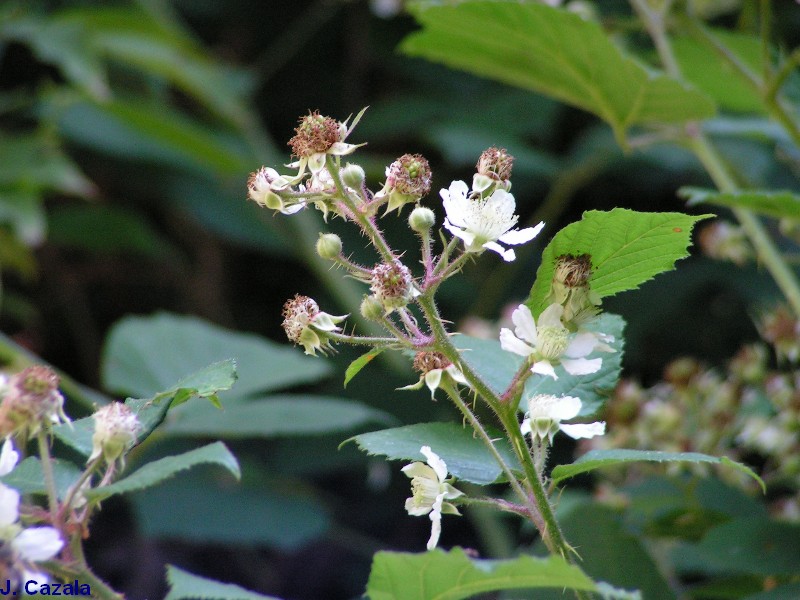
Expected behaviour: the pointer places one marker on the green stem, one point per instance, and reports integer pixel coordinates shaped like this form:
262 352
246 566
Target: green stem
49 478
455 396
357 340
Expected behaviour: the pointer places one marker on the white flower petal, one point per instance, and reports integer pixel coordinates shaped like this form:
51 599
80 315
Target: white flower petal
581 345
418 469
9 505
457 375
565 408
8 457
581 366
543 367
432 379
511 343
507 254
38 543
525 326
580 430
436 463
551 316
436 522
520 236
525 426
33 580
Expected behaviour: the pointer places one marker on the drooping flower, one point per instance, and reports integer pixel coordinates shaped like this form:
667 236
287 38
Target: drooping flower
305 324
28 545
429 490
550 343
482 222
264 187
432 367
546 413
318 136
115 430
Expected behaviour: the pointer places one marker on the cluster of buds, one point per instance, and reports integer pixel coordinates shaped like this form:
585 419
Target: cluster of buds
31 402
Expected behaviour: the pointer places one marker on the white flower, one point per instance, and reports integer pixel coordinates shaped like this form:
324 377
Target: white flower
262 188
482 222
33 544
545 413
551 343
429 492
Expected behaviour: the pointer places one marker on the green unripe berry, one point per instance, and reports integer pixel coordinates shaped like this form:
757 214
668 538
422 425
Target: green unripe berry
329 246
353 176
421 219
372 309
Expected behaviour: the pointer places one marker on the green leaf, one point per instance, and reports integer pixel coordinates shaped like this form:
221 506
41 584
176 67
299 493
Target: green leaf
452 575
199 507
627 249
28 477
185 586
466 456
593 389
276 416
144 355
164 468
703 66
359 363
596 459
151 411
556 53
106 229
776 204
755 546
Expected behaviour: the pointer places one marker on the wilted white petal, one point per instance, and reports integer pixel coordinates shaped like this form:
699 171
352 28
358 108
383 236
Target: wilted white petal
432 379
38 543
436 463
580 430
436 522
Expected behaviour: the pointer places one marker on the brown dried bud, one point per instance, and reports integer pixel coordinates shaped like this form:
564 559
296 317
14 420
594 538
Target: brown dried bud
573 271
495 163
314 134
391 284
31 401
424 362
298 313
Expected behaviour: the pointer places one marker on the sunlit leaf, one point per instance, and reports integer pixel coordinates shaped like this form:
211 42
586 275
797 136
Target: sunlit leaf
627 249
453 575
359 363
554 52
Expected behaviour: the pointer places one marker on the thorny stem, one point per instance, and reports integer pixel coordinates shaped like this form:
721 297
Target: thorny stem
366 223
548 526
357 340
714 164
455 396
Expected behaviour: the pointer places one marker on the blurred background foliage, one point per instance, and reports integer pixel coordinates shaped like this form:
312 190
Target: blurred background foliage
127 132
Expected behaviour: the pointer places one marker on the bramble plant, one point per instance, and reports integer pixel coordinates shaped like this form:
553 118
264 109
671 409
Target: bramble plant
662 75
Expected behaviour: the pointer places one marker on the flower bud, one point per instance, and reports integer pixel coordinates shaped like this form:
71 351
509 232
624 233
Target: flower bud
329 246
570 288
353 176
391 284
371 308
115 431
421 219
425 362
